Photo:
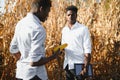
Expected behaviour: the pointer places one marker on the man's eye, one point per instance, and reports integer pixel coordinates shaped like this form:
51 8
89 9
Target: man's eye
69 15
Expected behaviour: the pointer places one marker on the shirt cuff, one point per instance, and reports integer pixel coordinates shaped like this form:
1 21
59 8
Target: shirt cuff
87 51
13 51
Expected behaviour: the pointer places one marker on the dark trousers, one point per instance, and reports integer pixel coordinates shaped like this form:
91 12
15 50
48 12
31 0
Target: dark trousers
70 74
34 78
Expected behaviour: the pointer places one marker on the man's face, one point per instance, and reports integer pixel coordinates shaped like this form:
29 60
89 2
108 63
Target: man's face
71 17
44 14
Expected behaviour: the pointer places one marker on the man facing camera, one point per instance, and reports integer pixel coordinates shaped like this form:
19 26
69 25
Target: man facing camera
78 51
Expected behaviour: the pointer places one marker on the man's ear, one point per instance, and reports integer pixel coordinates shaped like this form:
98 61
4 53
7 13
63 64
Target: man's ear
41 8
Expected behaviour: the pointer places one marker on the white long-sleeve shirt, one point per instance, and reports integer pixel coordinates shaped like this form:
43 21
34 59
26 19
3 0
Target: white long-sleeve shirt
79 43
29 39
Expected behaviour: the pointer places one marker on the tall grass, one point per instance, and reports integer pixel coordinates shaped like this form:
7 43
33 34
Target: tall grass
102 20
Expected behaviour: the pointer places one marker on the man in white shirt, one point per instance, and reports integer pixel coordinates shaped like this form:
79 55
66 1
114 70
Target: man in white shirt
28 45
78 51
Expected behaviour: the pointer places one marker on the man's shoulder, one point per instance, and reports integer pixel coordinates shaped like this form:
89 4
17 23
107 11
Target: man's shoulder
64 28
30 24
82 25
22 20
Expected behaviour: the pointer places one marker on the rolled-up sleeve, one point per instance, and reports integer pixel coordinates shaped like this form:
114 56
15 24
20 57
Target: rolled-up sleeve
87 41
14 44
37 46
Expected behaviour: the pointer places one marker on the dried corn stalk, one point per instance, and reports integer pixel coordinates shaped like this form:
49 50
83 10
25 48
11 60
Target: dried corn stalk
101 18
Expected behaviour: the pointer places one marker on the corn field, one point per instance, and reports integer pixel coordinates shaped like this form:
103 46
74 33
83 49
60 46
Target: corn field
102 19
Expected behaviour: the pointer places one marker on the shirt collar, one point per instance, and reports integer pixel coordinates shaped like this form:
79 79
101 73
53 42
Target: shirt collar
34 17
74 26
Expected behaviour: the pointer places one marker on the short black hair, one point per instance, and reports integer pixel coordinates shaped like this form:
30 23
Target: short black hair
73 8
44 3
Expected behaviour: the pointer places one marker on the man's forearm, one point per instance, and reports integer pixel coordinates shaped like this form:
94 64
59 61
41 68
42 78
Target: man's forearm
42 61
86 63
87 60
45 60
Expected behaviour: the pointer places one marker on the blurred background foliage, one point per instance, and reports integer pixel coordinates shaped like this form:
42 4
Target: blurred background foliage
102 19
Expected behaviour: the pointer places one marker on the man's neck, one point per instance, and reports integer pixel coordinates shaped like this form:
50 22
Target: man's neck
70 25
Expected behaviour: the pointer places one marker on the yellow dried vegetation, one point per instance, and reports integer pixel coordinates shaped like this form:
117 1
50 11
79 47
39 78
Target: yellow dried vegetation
102 19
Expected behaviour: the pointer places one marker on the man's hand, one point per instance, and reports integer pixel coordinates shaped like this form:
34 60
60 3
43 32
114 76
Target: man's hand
83 72
86 63
17 56
56 53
